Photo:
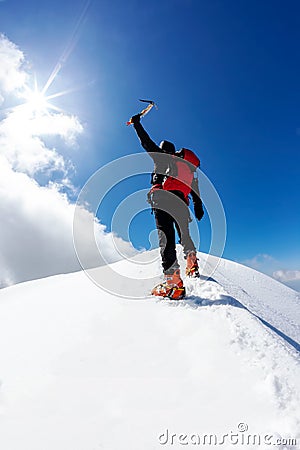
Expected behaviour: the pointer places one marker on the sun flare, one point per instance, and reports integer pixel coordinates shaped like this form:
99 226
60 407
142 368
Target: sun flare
36 101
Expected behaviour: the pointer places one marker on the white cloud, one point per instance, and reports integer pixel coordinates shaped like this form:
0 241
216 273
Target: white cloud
12 75
262 261
21 140
67 127
268 264
36 221
36 230
286 275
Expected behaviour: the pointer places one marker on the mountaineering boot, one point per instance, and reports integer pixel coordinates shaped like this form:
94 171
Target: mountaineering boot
192 268
172 286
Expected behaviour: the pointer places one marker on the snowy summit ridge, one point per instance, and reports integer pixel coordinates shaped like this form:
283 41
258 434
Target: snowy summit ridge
83 369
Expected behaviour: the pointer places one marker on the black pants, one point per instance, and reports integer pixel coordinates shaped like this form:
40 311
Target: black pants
171 212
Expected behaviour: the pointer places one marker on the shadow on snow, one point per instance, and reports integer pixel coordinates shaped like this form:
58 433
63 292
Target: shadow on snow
226 300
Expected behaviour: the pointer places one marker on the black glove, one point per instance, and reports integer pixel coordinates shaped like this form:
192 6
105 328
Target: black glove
198 208
136 119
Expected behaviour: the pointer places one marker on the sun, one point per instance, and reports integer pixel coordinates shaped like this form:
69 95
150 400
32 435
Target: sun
36 101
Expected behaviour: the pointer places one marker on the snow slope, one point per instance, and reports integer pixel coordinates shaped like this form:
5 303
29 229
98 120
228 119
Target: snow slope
83 369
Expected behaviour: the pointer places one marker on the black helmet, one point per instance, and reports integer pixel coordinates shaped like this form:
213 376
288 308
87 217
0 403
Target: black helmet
167 147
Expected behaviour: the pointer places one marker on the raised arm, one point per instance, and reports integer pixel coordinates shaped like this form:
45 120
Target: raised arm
144 137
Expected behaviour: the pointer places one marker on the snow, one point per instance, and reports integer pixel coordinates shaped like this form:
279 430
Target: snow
84 369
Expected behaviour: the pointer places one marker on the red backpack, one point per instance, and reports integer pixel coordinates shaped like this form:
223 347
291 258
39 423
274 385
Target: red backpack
182 173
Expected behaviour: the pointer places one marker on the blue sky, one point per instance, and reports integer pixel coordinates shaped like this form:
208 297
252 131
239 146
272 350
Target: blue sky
226 78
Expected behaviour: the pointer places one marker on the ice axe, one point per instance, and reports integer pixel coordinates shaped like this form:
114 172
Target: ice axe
146 110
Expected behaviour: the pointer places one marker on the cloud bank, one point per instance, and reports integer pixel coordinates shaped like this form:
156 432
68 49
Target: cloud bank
268 264
287 275
12 75
36 221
